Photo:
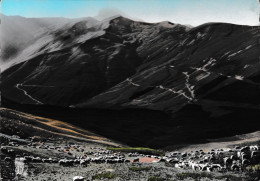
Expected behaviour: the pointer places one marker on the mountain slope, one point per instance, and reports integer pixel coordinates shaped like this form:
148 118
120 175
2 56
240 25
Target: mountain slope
80 62
156 66
213 64
203 77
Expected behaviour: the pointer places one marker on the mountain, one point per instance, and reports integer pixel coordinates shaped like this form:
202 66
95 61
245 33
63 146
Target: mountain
19 33
91 57
203 77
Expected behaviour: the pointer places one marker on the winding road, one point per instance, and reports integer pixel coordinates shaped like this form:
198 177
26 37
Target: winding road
180 92
18 86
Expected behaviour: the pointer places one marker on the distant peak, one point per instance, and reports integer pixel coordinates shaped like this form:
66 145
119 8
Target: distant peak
118 17
166 24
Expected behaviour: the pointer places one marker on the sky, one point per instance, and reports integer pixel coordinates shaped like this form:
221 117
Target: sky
191 12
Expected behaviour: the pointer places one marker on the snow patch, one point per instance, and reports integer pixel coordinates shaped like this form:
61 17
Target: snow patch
239 77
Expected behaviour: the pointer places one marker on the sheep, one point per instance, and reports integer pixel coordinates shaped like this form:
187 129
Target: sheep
178 165
255 155
201 161
234 157
84 162
237 147
65 162
239 154
22 159
235 167
110 161
49 160
205 160
245 156
162 160
97 160
185 164
254 148
36 160
127 161
77 161
245 149
28 158
216 167
209 169
245 162
78 178
119 160
193 165
11 152
136 160
55 161
173 161
7 159
205 167
184 155
227 162
212 159
69 162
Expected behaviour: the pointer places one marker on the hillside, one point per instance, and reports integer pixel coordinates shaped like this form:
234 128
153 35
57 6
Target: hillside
205 80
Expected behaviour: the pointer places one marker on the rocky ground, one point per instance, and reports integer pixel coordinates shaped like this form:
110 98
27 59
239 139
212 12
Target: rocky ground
26 155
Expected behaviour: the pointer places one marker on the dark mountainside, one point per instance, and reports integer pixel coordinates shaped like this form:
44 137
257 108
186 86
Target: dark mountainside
143 84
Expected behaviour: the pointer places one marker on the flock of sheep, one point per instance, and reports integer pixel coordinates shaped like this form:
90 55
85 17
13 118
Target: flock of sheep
235 159
216 160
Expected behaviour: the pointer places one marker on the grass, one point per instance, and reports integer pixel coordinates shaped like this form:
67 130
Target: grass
195 176
253 167
253 172
104 175
229 177
147 151
138 169
198 176
154 178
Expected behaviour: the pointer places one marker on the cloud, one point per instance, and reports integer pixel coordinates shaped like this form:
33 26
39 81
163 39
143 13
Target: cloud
109 12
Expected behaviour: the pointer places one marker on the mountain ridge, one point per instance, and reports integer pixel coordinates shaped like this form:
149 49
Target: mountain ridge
146 55
168 81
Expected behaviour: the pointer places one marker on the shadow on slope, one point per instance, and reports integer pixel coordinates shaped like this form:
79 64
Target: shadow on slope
148 128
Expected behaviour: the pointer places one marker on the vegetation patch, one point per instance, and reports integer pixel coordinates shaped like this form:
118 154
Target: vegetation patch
137 169
253 167
104 176
253 172
154 178
195 176
229 177
147 151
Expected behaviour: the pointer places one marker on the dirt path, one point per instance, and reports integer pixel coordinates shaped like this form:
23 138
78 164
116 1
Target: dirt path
59 128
